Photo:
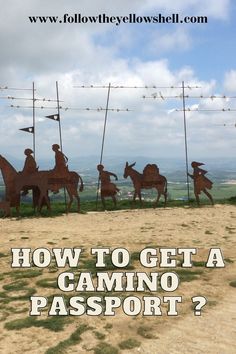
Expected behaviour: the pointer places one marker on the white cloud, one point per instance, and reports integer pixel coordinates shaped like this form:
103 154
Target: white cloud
230 81
176 40
77 55
215 9
147 129
35 47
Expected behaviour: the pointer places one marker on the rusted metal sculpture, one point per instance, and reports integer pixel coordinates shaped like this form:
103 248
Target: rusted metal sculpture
9 174
150 178
108 189
41 181
200 181
30 167
60 160
60 170
5 207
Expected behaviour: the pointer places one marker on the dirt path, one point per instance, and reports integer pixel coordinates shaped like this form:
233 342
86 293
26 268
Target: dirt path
203 228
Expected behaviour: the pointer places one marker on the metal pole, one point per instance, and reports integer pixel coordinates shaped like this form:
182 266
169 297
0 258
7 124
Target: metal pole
103 137
185 140
59 121
34 123
58 111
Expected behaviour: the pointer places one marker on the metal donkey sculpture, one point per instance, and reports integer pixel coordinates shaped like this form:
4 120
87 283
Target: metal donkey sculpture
150 178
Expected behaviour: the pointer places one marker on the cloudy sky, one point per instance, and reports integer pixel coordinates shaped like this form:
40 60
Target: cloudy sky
161 55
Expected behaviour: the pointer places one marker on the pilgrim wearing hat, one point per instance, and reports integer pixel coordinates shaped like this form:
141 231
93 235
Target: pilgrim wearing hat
201 182
60 160
105 179
30 165
108 189
60 169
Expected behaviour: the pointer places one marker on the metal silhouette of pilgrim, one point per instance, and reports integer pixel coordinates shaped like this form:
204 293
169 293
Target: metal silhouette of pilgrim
200 181
60 161
108 188
30 167
60 170
150 178
41 182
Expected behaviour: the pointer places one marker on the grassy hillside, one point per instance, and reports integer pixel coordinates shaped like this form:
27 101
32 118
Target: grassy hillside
58 207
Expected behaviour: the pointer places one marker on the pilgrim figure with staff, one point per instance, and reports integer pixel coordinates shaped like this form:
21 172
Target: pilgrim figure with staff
108 189
200 181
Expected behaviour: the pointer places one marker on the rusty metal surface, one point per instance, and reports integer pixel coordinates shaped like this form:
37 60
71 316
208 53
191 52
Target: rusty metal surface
5 207
150 178
108 188
200 181
61 160
40 182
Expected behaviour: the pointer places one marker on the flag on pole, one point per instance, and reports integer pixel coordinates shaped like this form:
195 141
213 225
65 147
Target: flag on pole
28 130
54 117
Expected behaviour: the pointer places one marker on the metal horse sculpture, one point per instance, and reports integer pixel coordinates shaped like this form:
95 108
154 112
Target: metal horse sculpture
42 180
9 174
140 182
5 207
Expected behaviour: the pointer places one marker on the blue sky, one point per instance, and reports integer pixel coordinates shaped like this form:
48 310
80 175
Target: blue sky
165 55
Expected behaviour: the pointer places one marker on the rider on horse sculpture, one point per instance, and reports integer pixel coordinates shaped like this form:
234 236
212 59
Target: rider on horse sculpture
60 160
30 166
61 169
